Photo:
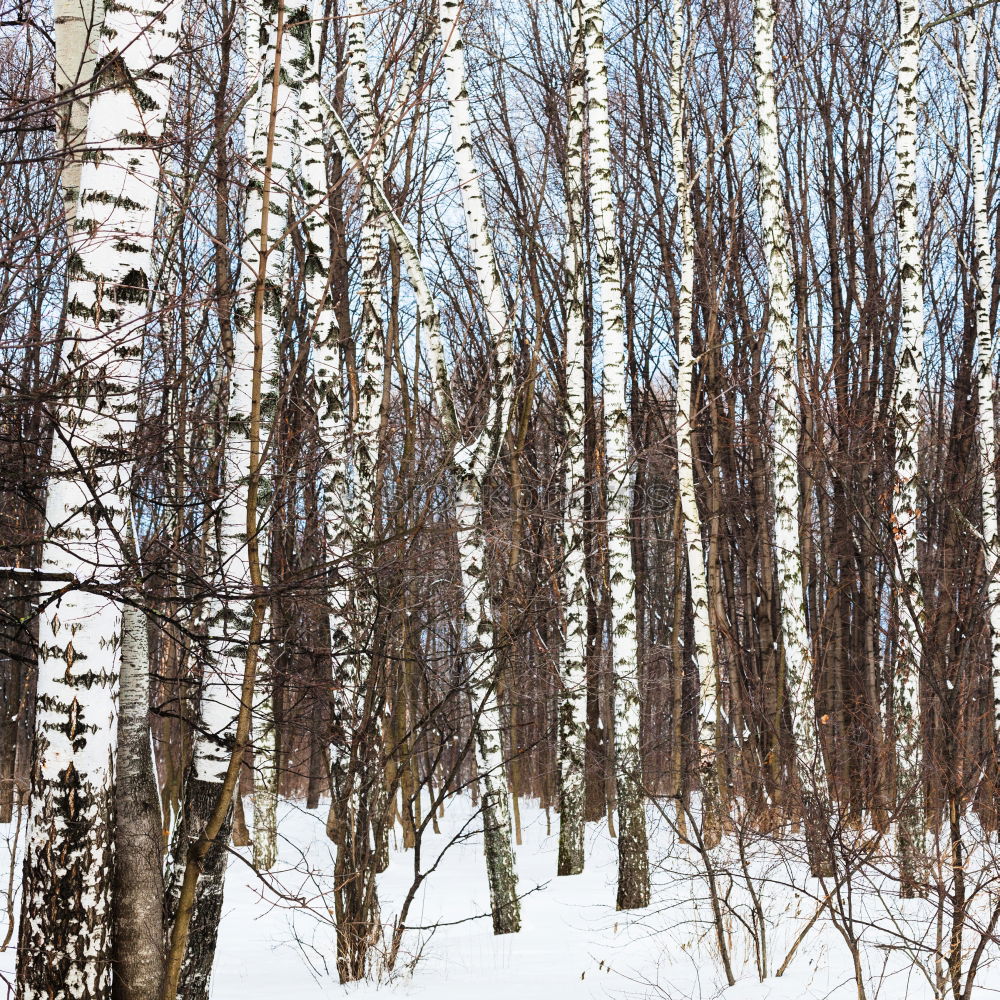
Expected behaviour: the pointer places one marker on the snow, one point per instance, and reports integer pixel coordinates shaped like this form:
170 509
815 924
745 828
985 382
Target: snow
277 937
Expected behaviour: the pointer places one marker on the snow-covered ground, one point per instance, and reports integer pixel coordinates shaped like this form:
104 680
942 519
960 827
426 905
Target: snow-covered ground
277 938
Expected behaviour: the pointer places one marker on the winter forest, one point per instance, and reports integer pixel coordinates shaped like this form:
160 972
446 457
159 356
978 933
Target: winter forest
499 498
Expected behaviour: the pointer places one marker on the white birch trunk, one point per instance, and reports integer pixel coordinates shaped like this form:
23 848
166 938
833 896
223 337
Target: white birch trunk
284 115
230 609
347 519
633 860
573 663
704 657
480 633
971 81
67 866
906 431
331 415
370 373
799 677
472 465
77 28
229 612
370 778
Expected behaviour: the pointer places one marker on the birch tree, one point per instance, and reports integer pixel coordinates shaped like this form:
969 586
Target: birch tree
971 85
472 463
469 462
365 819
77 28
573 662
232 610
327 382
279 149
704 656
67 865
906 432
347 517
633 859
799 678
372 340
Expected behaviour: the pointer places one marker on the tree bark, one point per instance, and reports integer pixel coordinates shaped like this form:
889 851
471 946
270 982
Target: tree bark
77 29
138 886
64 943
472 464
573 691
906 431
697 566
232 612
986 348
633 860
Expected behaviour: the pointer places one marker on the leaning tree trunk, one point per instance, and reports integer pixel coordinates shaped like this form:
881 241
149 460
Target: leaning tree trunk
906 432
468 510
704 657
573 663
472 465
138 886
633 848
64 941
986 350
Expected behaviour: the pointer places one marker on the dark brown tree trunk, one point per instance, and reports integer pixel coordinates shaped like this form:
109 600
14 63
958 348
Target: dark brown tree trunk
200 798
